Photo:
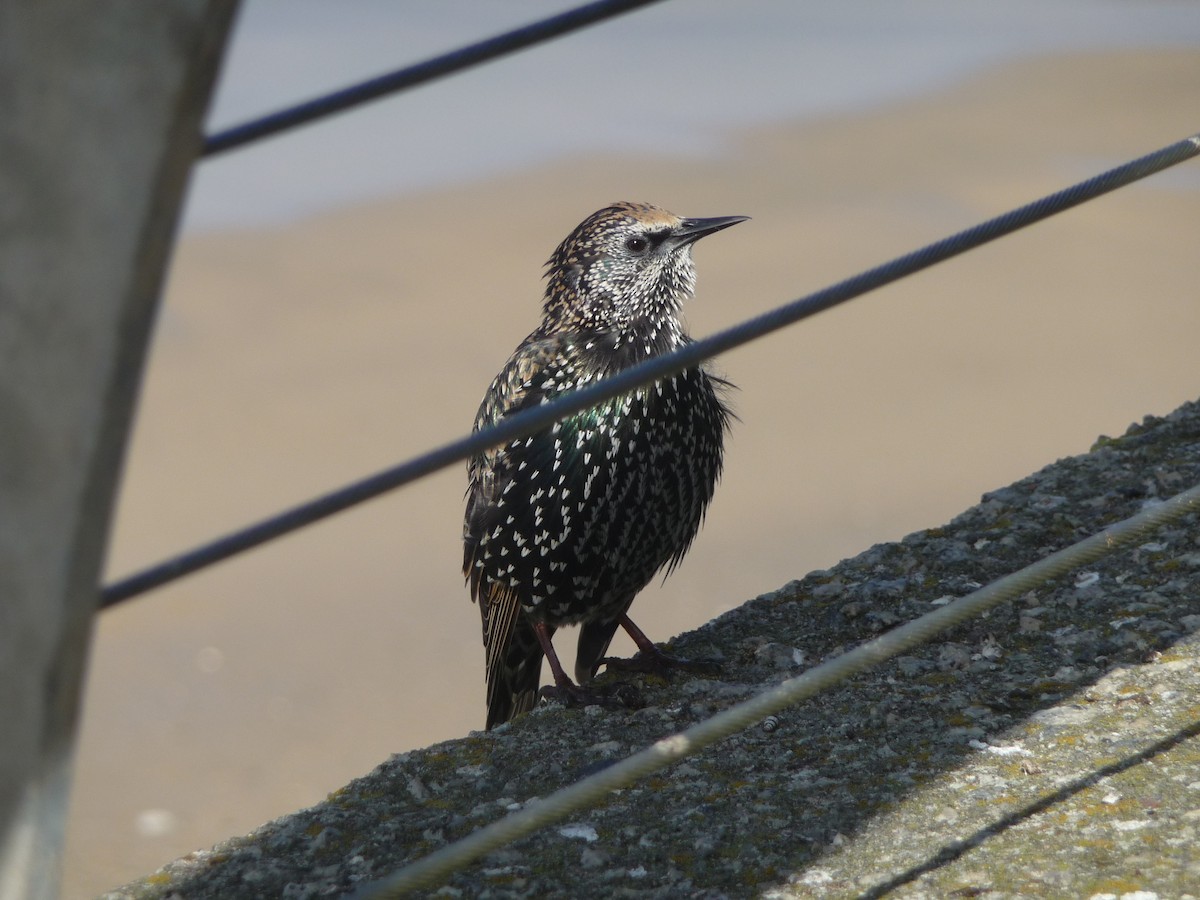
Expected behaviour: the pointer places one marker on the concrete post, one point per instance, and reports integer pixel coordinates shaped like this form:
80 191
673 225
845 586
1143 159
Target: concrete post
101 104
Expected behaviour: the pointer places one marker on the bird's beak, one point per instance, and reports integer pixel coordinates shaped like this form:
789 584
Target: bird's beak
691 230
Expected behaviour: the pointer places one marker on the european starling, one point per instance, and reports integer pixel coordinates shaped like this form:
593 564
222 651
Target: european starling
566 526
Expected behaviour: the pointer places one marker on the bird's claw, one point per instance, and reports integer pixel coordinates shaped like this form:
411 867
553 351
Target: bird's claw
611 696
660 662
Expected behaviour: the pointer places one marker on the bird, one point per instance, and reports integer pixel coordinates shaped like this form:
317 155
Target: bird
565 527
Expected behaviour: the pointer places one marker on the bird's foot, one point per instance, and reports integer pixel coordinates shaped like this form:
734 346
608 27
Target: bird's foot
609 696
659 662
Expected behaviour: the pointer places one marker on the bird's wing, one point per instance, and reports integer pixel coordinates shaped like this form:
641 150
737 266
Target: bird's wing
520 384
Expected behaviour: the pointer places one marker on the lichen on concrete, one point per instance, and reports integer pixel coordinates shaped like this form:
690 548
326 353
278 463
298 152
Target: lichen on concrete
1047 749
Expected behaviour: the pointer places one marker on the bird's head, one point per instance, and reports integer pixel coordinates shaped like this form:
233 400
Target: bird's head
624 271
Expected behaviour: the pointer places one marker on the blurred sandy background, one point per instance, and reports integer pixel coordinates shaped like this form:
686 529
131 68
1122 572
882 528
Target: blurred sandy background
290 360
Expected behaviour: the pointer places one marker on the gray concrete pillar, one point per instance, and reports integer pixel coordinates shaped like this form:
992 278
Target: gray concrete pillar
101 105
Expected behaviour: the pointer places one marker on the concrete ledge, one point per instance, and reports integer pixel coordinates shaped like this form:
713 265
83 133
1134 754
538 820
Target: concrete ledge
1048 749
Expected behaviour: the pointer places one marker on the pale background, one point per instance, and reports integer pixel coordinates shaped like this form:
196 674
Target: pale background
342 296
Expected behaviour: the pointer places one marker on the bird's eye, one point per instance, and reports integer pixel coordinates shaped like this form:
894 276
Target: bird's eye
636 244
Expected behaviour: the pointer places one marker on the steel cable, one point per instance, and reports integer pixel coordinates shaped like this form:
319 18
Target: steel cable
529 421
411 76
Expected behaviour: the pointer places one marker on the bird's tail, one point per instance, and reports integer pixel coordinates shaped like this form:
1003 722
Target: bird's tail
513 676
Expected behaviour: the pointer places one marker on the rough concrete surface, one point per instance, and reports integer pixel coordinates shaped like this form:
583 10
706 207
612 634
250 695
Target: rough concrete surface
1048 749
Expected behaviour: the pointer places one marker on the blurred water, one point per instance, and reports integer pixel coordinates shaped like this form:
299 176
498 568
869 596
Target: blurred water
669 80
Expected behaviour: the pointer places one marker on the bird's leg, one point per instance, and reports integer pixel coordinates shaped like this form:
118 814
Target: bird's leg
561 680
651 659
568 693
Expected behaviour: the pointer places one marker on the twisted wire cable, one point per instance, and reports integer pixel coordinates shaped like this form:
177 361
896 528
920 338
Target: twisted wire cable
411 76
529 421
532 420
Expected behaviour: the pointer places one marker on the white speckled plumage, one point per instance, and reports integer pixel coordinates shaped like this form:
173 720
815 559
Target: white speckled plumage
566 526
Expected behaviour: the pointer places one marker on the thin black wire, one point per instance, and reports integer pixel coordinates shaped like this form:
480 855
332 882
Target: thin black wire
402 79
529 421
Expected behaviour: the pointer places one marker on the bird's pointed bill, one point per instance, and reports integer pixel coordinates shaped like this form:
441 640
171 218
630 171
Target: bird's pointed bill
693 229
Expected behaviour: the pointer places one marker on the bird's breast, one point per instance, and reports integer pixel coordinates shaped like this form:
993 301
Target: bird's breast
596 504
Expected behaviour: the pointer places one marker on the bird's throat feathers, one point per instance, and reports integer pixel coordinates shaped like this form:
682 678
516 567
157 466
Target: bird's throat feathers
615 334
